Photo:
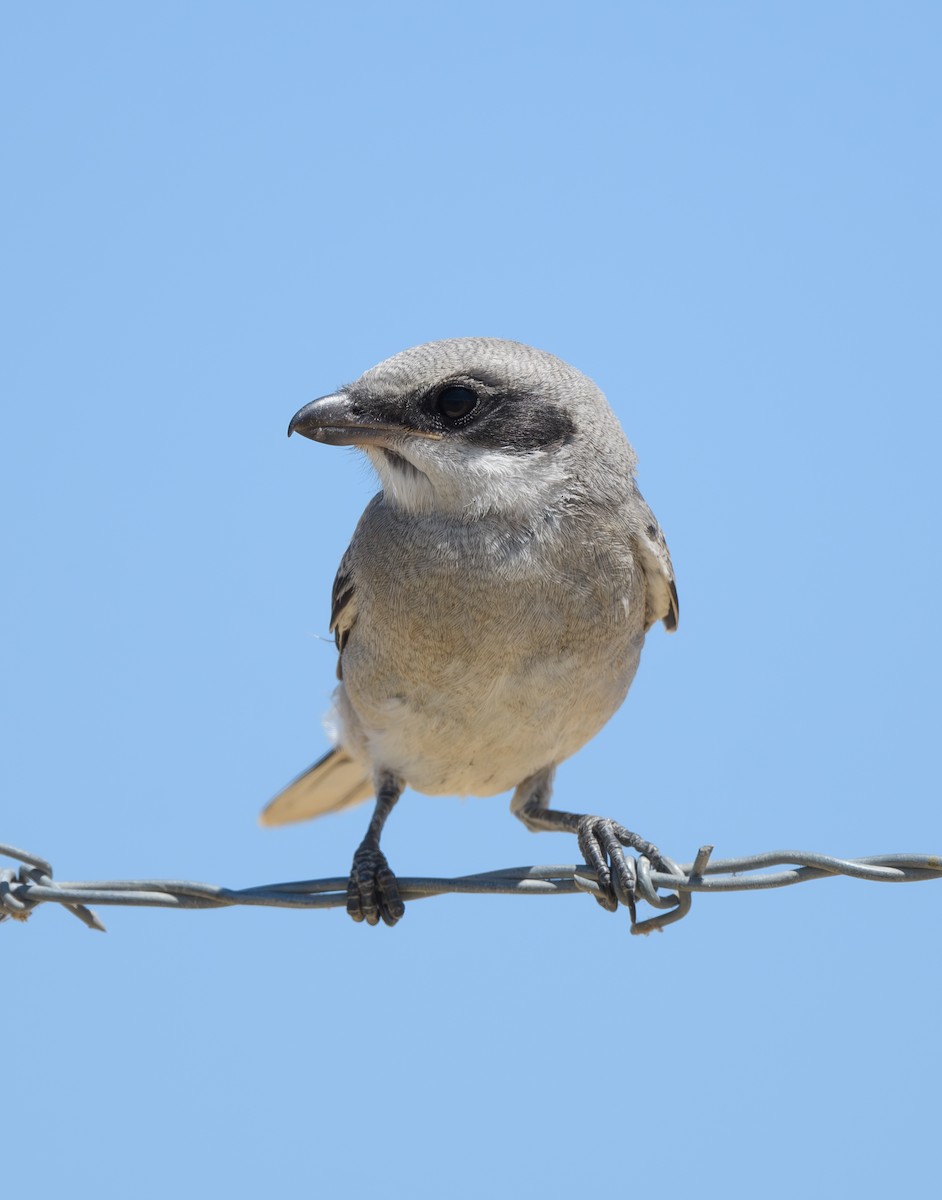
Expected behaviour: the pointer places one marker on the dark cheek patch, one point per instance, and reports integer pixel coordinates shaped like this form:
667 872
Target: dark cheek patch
520 425
503 421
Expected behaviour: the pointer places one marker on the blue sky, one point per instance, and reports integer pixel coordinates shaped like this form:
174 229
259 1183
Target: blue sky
728 215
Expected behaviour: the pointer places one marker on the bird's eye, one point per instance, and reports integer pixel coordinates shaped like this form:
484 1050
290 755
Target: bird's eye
455 402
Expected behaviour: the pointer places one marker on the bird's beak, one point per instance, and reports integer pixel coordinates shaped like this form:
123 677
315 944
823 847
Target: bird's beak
337 421
334 421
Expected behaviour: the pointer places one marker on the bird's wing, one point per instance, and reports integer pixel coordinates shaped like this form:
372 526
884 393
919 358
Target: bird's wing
334 782
343 607
662 602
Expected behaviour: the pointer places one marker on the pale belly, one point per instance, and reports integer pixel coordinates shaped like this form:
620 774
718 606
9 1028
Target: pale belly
479 729
487 660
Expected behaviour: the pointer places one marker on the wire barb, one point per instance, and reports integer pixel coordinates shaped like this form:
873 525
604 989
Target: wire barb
32 884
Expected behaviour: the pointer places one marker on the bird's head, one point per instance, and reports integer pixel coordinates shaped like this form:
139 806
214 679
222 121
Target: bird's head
474 426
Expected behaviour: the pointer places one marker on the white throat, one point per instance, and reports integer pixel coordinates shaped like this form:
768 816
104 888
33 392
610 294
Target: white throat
463 481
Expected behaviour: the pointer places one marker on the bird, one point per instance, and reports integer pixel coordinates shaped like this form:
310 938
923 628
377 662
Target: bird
490 611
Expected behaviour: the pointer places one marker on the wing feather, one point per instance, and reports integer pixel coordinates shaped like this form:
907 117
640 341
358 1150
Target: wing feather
343 608
662 602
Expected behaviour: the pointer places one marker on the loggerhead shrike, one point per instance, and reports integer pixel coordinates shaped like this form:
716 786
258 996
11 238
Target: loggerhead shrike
490 611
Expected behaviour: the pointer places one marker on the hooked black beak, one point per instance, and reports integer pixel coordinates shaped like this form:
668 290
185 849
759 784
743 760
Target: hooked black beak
336 421
332 420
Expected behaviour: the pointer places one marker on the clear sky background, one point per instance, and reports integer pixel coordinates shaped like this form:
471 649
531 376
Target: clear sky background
727 214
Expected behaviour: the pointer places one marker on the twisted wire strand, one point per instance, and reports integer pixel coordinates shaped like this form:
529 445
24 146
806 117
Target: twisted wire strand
22 889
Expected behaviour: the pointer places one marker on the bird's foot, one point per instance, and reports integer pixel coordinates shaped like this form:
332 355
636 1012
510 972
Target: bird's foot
601 840
372 890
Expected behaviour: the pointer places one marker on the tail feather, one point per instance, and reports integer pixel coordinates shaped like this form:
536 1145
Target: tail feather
335 781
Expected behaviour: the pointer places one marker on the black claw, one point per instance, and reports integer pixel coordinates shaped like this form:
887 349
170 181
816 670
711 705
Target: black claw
372 890
391 907
590 834
600 841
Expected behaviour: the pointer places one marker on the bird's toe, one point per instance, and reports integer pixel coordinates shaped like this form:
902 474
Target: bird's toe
372 889
601 840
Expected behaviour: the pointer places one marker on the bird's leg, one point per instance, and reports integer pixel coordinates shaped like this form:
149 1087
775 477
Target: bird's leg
600 838
372 890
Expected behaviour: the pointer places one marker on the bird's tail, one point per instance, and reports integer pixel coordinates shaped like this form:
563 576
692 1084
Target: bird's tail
335 781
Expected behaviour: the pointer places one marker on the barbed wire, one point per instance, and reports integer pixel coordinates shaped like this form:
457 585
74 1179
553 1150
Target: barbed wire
21 890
